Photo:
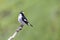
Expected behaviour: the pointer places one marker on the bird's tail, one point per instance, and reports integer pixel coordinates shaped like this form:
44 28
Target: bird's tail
30 24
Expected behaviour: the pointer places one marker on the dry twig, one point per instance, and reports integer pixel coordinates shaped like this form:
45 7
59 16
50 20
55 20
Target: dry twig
15 33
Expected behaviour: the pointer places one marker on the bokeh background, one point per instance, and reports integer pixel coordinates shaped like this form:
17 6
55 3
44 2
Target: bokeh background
44 15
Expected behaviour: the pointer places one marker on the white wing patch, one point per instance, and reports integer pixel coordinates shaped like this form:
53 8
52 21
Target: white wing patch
25 20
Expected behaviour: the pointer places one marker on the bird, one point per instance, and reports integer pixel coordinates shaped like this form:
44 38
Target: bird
22 19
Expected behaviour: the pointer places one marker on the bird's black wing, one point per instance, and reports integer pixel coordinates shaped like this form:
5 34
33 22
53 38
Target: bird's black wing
25 20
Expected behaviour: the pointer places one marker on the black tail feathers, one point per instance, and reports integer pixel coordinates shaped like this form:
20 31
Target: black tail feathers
30 24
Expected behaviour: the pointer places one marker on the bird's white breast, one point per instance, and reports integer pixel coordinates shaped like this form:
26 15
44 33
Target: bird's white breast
20 16
20 19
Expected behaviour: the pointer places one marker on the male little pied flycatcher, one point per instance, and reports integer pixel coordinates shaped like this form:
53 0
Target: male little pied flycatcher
22 19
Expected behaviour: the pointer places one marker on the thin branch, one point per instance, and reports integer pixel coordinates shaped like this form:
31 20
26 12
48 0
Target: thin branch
15 33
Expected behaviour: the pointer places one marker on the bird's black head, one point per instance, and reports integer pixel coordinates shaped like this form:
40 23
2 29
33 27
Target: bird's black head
22 13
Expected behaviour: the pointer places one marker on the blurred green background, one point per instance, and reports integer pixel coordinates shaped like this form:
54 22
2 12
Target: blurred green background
44 15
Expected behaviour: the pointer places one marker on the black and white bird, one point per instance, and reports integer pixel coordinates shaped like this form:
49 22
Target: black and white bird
22 19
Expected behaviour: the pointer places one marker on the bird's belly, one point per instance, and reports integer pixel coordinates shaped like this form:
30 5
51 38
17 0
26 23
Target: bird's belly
20 21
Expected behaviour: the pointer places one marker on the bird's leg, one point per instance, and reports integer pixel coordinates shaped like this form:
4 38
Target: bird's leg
21 25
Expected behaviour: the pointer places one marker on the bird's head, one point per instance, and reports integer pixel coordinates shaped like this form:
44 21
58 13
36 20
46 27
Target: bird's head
22 13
